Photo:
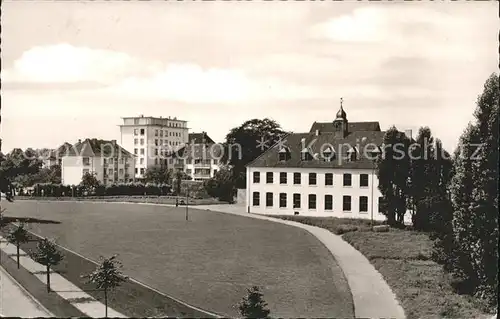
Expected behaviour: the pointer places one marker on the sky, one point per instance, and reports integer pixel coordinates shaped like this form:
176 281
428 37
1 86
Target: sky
72 69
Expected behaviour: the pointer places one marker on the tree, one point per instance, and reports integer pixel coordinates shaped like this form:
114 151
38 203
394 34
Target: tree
253 305
89 182
107 276
474 190
393 172
18 236
158 175
246 142
222 185
48 255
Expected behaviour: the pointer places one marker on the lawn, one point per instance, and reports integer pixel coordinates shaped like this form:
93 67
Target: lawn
403 258
208 262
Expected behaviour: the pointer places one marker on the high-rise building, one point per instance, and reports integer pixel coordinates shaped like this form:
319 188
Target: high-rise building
151 139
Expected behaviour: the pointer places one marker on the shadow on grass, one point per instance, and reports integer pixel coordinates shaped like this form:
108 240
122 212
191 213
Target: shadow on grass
30 220
44 272
80 299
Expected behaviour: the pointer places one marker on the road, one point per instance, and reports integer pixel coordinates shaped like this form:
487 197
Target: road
15 302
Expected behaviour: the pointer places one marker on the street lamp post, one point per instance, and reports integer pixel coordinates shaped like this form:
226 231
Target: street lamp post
187 203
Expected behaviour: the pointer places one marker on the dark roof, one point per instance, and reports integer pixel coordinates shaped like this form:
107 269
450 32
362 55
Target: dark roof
196 138
201 151
351 127
363 141
95 147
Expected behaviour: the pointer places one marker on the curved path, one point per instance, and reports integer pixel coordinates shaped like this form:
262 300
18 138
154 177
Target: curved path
373 298
208 261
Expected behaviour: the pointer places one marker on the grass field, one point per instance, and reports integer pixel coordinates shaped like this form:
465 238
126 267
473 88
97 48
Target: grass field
403 258
208 261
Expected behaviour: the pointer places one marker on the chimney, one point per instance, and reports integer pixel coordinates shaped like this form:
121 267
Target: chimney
303 140
203 139
113 142
408 134
79 140
317 132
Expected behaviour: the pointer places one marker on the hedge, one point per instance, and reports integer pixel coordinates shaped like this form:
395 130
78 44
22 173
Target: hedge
129 189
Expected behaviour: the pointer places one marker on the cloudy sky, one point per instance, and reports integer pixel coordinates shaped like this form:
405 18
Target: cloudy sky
72 69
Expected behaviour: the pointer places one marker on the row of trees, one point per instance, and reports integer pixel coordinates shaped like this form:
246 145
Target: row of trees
455 198
108 275
105 277
414 178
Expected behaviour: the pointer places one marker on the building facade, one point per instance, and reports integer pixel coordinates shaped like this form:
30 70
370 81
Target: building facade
151 139
200 159
106 159
328 171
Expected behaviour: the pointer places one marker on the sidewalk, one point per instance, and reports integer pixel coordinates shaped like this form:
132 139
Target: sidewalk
372 297
15 301
68 291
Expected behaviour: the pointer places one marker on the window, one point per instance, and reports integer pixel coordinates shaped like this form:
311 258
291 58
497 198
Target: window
86 171
269 199
305 155
142 151
296 178
86 161
121 171
256 177
136 132
346 204
136 141
215 162
296 200
156 132
256 199
328 202
328 179
110 171
156 142
188 171
380 205
171 161
269 177
142 131
282 157
136 121
156 151
283 178
161 133
136 170
142 161
142 141
312 178
156 161
142 171
105 161
363 180
312 201
363 203
347 179
282 199
190 161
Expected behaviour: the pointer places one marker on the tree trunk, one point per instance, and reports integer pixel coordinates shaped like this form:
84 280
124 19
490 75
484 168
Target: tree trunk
48 279
17 246
105 302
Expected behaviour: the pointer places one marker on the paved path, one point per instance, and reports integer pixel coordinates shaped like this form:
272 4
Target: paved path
373 298
64 288
17 302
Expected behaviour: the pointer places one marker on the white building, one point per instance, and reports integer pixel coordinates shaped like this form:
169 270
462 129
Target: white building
150 138
200 157
54 157
106 159
328 171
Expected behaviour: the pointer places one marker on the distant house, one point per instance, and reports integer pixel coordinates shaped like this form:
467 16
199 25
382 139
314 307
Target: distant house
110 162
51 158
328 171
200 158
